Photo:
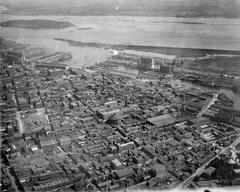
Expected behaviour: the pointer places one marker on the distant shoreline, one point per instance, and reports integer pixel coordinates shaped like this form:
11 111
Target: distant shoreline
36 24
149 14
85 28
145 8
120 15
178 51
3 9
181 22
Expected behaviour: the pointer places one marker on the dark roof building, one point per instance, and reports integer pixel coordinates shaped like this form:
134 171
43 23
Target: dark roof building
123 173
163 120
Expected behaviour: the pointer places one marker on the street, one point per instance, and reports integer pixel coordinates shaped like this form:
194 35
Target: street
208 105
201 169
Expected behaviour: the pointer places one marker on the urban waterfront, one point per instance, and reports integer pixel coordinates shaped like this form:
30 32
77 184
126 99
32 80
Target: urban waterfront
119 103
109 30
155 31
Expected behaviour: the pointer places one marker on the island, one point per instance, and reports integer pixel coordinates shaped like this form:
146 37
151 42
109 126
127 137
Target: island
85 28
36 24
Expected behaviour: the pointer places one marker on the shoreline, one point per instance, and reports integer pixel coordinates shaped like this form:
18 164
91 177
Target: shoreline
36 24
11 11
178 51
5 12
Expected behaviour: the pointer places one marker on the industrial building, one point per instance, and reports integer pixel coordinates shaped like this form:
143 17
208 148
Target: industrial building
20 56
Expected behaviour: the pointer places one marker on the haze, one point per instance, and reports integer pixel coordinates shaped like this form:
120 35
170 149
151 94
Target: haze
171 8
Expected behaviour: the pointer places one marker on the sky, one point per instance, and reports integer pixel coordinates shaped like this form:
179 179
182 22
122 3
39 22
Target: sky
125 7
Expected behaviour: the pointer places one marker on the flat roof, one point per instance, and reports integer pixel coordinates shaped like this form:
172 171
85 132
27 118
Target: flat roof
125 172
162 120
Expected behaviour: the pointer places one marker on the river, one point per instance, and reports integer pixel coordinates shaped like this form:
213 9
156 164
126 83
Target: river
156 31
234 96
209 33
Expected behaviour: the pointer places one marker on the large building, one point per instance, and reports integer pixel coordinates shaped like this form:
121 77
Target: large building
165 69
162 120
20 56
114 112
145 64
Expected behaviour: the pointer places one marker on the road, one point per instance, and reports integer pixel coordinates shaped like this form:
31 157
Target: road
208 105
12 179
201 169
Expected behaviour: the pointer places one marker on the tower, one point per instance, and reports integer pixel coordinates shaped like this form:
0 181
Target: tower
144 64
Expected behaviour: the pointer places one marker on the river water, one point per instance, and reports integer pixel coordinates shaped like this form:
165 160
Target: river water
210 33
157 31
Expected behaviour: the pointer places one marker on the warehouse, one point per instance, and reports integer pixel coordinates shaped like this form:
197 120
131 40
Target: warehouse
163 120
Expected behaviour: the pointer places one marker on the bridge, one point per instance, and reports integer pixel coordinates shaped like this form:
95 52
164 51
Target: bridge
208 105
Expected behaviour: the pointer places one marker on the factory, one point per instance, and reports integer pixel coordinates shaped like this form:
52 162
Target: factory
21 56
